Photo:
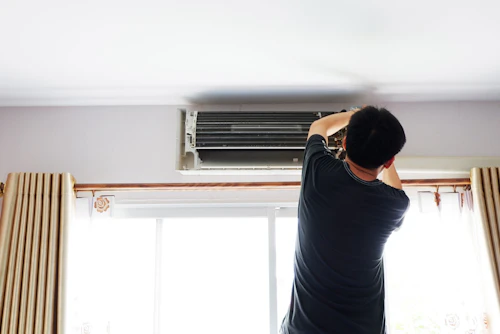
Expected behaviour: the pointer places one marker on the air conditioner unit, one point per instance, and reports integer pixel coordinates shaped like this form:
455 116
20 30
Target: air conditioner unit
247 142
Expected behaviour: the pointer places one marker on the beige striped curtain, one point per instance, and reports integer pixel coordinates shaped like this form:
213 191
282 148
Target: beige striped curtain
486 195
36 209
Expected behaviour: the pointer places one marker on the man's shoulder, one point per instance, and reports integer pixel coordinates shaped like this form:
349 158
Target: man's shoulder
393 199
398 194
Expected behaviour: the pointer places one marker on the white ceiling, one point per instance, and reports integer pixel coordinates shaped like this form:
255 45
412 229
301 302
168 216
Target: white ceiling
60 52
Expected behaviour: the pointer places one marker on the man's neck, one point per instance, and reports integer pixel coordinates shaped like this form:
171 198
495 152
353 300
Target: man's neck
364 174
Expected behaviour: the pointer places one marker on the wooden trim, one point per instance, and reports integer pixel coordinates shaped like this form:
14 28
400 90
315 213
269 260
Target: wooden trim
437 182
243 185
187 186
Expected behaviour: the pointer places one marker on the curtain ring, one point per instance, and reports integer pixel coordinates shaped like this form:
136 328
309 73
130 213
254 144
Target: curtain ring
437 196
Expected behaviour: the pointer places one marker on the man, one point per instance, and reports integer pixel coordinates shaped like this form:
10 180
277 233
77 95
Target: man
346 216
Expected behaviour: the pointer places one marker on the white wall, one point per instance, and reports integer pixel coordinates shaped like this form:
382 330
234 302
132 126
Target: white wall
139 144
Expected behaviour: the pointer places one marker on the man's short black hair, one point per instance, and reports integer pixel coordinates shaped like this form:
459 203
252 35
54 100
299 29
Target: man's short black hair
374 136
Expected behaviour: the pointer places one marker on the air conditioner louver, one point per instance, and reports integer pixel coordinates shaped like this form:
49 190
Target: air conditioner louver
247 141
253 130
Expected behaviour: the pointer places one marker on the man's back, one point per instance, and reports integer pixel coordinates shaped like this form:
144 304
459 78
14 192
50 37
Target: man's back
344 223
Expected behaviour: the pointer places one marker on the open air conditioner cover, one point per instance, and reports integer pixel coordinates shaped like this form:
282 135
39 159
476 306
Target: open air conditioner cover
247 140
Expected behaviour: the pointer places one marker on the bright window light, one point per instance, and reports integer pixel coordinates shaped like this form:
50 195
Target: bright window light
111 270
215 276
212 274
286 234
431 268
432 275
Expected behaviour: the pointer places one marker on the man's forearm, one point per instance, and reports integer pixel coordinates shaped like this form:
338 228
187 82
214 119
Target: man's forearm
391 177
330 124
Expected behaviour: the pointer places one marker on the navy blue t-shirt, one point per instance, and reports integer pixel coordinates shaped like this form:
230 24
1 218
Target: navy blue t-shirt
344 223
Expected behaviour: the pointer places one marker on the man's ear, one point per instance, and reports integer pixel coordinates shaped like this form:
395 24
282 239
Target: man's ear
389 163
343 142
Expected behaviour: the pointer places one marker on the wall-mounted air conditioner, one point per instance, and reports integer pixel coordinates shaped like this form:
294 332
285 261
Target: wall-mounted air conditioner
246 142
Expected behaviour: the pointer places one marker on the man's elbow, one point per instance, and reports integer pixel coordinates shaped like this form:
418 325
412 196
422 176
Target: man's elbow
317 128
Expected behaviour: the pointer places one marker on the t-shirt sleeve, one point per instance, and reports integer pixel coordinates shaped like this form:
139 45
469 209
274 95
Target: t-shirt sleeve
404 208
316 149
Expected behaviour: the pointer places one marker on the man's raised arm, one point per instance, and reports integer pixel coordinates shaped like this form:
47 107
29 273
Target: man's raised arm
391 177
331 124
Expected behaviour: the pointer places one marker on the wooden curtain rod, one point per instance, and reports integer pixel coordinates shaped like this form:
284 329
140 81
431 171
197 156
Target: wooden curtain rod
240 185
244 185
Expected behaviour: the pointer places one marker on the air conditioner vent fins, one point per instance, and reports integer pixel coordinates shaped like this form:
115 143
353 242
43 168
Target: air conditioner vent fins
253 130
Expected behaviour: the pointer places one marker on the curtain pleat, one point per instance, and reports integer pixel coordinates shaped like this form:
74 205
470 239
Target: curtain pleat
8 209
33 280
495 219
68 202
52 252
42 269
27 253
7 307
16 295
486 191
35 209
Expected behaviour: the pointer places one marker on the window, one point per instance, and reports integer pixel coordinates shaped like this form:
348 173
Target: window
433 284
195 271
230 270
110 280
215 275
286 235
432 274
